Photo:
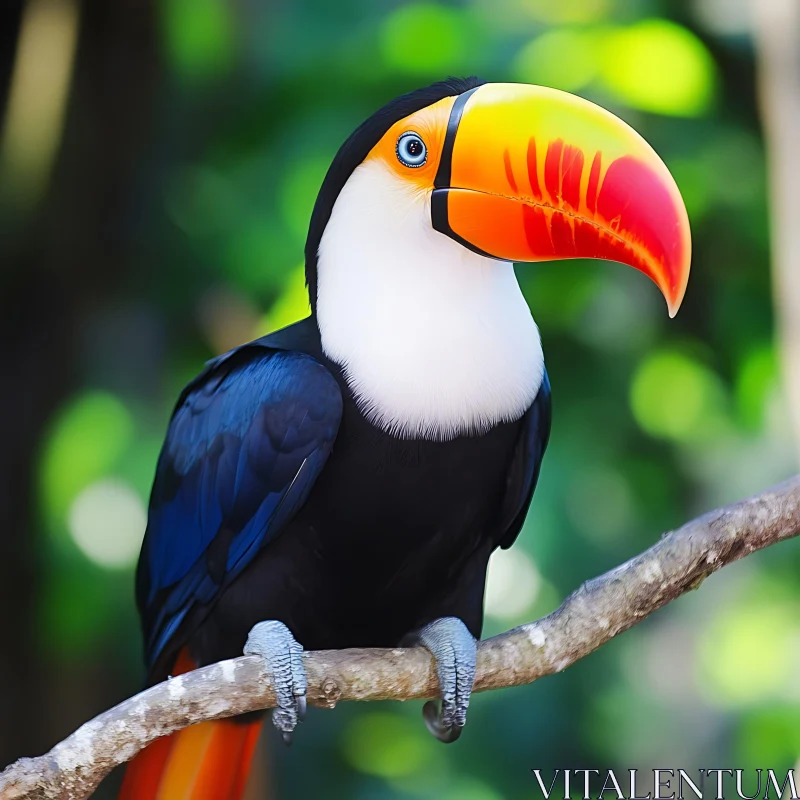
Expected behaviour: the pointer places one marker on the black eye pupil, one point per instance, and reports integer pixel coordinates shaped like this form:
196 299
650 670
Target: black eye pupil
414 147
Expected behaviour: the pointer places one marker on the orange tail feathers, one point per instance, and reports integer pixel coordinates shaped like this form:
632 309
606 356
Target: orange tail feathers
207 761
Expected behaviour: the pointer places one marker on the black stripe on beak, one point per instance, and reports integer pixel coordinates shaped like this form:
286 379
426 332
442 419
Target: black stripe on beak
442 179
441 183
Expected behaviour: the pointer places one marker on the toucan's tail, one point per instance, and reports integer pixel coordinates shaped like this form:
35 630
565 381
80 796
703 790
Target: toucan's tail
207 761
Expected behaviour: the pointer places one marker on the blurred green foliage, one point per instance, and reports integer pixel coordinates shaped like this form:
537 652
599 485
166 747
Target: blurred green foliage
654 420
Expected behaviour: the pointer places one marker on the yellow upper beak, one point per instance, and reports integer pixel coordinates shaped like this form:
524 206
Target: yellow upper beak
533 174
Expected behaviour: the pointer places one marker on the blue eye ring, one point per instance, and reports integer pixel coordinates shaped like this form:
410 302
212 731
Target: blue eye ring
412 152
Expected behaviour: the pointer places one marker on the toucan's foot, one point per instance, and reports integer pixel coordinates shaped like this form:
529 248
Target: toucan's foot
455 651
273 641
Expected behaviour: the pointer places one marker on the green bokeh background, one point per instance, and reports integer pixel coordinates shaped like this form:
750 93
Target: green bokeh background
199 131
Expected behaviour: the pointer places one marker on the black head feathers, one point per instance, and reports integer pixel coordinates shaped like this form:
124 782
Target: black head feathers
357 148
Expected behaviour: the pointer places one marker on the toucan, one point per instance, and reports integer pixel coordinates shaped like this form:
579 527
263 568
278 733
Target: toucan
343 481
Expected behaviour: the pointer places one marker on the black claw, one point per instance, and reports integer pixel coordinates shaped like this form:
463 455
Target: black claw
287 738
433 721
302 707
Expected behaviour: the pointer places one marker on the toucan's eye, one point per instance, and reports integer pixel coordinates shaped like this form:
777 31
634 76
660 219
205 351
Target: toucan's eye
411 150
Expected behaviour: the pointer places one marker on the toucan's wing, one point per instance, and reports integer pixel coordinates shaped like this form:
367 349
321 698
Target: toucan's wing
524 471
246 442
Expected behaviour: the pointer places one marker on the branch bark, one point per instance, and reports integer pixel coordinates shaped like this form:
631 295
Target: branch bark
599 610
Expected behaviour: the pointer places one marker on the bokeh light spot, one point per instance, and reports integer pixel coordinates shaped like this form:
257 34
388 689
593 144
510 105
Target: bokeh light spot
512 584
386 745
424 39
735 668
198 36
658 66
107 522
562 58
37 97
85 442
676 397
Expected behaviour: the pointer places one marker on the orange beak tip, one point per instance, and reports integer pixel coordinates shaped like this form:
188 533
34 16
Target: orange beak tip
674 303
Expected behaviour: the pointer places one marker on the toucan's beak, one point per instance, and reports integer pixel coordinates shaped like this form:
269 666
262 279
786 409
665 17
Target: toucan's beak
534 174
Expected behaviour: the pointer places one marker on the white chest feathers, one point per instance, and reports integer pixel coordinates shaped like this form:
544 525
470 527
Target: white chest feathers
435 341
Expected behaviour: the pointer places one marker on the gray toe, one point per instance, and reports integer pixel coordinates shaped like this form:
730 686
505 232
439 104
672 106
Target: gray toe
283 657
455 651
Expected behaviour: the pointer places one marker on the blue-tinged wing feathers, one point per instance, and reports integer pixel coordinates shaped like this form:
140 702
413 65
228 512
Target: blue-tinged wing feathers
245 444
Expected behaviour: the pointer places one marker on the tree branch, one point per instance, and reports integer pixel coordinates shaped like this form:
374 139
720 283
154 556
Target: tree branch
595 613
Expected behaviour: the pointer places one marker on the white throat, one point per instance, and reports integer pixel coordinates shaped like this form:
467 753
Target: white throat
435 341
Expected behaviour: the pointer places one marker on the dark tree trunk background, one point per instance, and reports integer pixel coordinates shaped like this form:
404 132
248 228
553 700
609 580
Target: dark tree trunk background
58 263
